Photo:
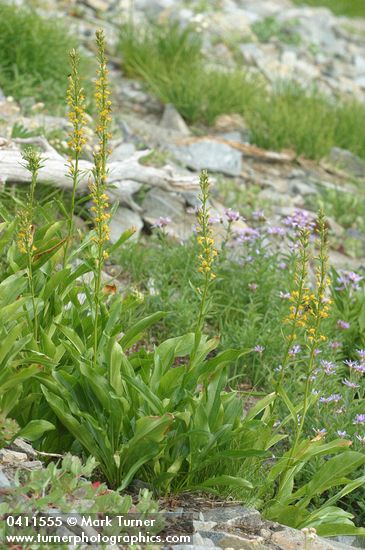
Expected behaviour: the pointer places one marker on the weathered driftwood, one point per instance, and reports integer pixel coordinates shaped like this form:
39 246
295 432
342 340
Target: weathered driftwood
125 177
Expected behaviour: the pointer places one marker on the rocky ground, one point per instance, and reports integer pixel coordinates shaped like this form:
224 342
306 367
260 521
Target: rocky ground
216 525
310 45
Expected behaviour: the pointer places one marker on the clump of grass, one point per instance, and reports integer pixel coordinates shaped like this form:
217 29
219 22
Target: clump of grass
33 55
305 121
171 61
350 122
352 8
292 118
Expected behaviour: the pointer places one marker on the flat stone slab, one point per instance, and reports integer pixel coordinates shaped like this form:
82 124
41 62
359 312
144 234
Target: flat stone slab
232 516
208 154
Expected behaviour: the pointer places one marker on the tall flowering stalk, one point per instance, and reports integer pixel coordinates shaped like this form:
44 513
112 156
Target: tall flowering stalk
98 186
298 308
207 252
316 305
318 309
33 163
76 115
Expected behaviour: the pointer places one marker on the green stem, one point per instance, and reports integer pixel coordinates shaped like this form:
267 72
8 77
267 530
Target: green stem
97 285
75 173
202 308
294 327
32 292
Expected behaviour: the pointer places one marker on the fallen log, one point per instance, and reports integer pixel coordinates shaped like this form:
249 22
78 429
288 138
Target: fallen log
125 177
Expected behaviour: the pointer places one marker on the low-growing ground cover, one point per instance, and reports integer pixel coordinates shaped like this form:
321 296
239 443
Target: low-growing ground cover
252 387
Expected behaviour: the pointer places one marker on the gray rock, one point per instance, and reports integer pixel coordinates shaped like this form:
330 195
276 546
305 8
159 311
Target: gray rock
297 187
234 516
122 152
360 81
5 483
359 64
291 539
224 24
153 7
204 525
21 445
146 132
210 155
12 458
348 162
158 203
172 120
122 220
199 540
241 541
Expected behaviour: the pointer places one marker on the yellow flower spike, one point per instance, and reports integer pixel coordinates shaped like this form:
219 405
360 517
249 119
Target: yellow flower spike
76 102
98 186
205 241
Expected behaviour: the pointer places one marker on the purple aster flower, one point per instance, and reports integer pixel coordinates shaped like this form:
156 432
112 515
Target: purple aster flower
344 325
341 433
361 438
284 295
161 222
328 367
253 287
354 365
359 419
334 398
282 265
231 215
295 350
247 234
259 349
300 220
276 230
317 351
341 410
349 384
351 364
361 354
349 280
